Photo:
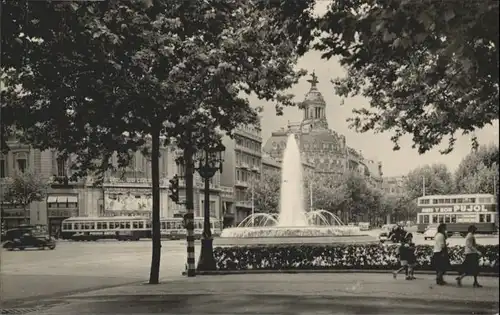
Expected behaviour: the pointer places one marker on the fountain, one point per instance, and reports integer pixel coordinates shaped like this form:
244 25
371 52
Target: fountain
293 220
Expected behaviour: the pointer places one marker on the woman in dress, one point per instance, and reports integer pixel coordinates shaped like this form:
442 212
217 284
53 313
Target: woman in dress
470 266
440 259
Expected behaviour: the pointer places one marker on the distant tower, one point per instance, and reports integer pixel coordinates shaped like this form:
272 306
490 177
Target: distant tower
314 106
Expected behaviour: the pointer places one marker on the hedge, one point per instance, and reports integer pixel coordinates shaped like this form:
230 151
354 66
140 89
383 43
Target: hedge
344 256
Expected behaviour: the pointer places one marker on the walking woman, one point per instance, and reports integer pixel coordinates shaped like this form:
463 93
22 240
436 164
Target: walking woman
440 259
470 266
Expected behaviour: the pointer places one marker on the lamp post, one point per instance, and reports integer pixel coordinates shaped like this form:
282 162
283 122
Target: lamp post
208 162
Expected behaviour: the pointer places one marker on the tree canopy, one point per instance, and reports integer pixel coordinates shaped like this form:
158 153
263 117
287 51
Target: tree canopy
478 171
25 188
266 192
429 68
437 178
107 73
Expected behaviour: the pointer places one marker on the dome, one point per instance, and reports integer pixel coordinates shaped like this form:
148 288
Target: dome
314 97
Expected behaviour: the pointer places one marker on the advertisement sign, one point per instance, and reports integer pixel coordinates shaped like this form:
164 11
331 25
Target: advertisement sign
459 208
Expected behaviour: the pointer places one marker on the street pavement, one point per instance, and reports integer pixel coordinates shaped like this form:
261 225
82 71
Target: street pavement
302 294
30 276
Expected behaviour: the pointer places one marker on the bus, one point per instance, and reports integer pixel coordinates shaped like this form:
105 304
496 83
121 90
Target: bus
94 228
173 228
459 212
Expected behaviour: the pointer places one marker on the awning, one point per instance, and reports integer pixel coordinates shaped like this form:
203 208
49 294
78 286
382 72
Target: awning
62 199
52 199
73 199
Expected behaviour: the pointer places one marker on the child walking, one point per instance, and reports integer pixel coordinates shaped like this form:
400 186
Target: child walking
411 256
407 258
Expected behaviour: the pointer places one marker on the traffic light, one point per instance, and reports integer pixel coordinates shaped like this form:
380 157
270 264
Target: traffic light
174 189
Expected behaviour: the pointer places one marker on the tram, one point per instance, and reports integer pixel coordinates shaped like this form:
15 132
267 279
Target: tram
458 212
95 228
173 228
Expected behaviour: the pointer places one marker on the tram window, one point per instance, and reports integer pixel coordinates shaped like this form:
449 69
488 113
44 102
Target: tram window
441 218
127 225
99 225
136 224
447 201
76 226
453 200
434 201
481 218
434 218
111 225
453 218
168 225
472 200
459 200
488 218
178 225
447 219
92 225
141 224
148 225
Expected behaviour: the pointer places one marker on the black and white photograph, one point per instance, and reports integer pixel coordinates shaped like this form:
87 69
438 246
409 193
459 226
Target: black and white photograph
273 157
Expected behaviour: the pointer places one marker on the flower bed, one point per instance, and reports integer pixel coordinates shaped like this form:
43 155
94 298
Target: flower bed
352 256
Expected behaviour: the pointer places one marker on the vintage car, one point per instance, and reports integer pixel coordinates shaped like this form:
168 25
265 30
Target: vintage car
27 237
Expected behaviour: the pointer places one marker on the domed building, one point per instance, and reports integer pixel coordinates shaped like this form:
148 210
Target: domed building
319 145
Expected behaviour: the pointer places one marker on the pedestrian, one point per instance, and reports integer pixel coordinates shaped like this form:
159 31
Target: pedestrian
403 259
411 256
470 266
440 258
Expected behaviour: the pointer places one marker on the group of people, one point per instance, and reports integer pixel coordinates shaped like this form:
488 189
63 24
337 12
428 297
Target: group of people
440 259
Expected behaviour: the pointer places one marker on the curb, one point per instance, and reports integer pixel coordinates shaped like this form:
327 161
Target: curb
296 271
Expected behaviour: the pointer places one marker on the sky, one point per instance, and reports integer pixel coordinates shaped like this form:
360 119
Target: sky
373 146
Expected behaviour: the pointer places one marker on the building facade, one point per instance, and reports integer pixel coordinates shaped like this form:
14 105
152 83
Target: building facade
242 166
393 185
124 192
320 146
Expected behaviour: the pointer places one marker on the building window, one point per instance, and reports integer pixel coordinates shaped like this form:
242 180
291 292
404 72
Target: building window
2 168
22 164
61 167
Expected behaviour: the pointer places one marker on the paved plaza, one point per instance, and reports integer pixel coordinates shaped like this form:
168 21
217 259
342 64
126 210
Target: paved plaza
285 294
33 277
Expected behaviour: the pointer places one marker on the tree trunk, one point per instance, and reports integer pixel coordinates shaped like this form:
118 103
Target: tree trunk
154 276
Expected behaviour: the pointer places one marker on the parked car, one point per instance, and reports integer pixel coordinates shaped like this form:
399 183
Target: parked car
27 237
385 233
430 232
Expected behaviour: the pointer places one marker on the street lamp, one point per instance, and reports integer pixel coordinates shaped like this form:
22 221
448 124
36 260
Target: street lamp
207 163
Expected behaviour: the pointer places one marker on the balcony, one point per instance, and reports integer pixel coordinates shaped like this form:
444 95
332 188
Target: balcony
247 150
240 183
243 204
244 166
255 169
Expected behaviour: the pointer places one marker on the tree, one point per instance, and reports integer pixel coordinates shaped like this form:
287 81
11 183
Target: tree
429 68
436 177
266 192
108 77
327 192
25 188
478 171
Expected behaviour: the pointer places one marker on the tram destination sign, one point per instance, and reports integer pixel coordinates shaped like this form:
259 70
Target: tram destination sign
460 208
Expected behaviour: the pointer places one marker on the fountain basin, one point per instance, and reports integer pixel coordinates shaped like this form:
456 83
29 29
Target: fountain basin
293 231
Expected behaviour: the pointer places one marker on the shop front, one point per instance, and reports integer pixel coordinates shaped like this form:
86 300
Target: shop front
14 215
59 208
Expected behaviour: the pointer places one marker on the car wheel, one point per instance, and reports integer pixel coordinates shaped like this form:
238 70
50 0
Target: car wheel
51 247
425 238
21 248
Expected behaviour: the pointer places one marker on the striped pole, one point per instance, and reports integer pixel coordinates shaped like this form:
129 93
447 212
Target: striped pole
191 266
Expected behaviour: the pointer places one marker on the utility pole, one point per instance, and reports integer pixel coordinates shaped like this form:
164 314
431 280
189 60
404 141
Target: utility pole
423 185
253 206
310 195
188 159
